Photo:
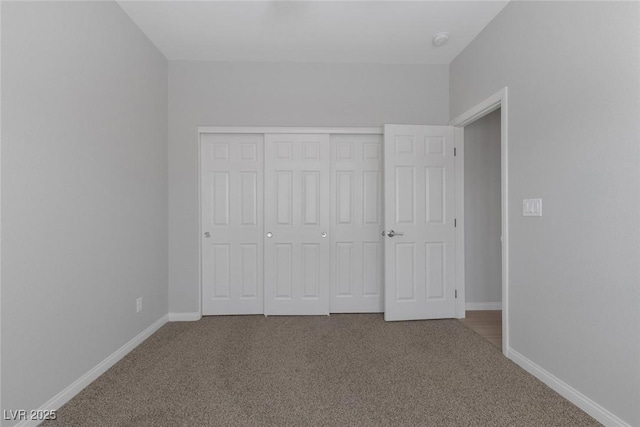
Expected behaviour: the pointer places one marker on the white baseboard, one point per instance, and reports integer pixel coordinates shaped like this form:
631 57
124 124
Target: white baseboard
185 317
483 306
565 390
76 387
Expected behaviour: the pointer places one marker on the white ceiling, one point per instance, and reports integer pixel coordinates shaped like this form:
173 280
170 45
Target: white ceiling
389 32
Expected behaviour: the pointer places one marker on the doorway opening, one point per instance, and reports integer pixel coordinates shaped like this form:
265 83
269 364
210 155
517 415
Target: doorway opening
482 212
483 257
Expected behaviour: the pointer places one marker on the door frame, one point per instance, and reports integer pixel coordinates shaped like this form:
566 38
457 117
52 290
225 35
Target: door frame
490 104
256 130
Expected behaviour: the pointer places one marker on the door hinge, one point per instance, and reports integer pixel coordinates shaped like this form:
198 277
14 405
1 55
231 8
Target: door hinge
454 152
455 222
456 292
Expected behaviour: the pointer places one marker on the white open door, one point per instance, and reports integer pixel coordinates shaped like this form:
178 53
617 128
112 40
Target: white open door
419 222
296 271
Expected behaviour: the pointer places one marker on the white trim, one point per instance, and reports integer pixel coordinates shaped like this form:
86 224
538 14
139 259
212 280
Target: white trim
1 407
459 214
185 317
76 387
483 306
480 110
199 223
565 390
290 129
492 103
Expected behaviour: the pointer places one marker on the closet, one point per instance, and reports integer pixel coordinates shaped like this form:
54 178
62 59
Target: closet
293 221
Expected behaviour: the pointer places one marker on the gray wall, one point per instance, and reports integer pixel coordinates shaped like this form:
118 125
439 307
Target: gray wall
246 94
84 191
482 211
573 72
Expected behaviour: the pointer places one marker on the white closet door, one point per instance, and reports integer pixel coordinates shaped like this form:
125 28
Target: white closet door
232 223
356 220
419 208
296 224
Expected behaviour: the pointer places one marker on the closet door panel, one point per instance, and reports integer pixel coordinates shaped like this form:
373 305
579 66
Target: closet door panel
296 279
356 223
231 184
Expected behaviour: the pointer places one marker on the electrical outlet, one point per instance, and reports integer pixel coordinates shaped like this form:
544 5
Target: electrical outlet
139 305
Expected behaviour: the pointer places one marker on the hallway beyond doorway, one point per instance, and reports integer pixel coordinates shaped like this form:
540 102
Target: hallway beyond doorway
487 323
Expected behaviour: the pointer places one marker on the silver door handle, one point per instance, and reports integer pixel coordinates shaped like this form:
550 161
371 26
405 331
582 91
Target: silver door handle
392 233
269 234
323 234
207 234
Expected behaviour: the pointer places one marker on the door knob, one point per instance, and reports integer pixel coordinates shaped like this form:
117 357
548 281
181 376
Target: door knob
269 234
207 234
323 234
392 233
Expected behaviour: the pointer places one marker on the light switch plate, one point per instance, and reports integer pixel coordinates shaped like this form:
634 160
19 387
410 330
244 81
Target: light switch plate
532 207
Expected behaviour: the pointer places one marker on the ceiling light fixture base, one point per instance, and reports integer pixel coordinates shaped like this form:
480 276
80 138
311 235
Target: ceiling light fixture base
440 39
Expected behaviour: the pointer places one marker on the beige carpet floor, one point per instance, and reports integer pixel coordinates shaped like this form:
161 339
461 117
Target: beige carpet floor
346 369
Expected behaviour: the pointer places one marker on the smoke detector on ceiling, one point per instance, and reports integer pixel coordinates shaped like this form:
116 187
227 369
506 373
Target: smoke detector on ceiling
440 39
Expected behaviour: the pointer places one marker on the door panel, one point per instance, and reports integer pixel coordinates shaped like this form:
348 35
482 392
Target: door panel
284 197
231 168
311 270
311 198
372 277
356 221
249 195
405 194
250 271
419 194
435 271
405 271
296 216
283 270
